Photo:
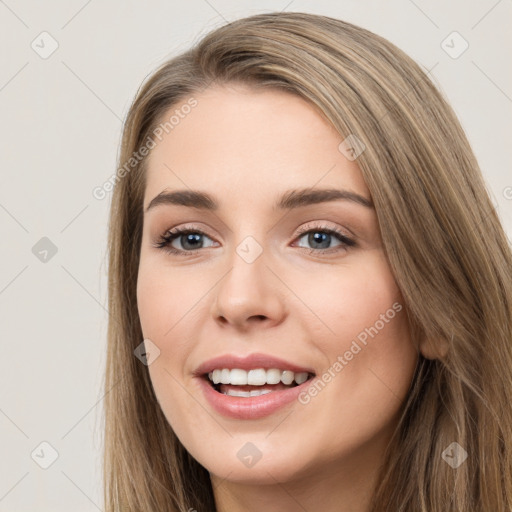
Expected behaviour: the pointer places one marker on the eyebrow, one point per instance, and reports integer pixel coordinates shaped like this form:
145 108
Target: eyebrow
289 200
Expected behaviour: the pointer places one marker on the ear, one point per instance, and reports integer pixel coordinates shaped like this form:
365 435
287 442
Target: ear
434 348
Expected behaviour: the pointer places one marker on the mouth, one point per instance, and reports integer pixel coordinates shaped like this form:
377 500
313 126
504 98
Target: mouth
253 386
237 382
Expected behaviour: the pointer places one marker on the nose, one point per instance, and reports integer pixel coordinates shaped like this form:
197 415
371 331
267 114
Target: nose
249 294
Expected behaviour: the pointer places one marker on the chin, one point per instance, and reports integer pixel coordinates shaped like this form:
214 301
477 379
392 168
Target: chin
252 459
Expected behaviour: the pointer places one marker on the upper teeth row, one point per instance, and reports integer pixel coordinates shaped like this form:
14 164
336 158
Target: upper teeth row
257 377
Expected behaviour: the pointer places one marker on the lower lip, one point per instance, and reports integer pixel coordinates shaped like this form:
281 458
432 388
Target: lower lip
250 408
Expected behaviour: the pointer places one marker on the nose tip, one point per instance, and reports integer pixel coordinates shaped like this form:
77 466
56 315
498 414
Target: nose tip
247 295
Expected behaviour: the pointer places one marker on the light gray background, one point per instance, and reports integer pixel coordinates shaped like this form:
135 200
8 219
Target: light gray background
61 119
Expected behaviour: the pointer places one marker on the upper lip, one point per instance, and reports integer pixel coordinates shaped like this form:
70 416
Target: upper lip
250 362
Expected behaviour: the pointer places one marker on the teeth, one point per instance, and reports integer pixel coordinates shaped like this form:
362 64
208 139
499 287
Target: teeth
237 377
257 377
273 376
258 392
287 377
247 394
301 377
224 377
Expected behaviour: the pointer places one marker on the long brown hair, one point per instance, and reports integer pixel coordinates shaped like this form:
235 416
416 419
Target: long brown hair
442 237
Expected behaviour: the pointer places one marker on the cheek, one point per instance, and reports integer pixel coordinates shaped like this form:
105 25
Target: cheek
350 299
166 297
169 303
164 300
363 334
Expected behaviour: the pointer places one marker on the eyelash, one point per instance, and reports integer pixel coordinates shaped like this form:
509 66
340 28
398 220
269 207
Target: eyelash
164 241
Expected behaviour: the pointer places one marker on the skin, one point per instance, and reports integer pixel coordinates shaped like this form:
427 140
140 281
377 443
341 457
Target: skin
296 301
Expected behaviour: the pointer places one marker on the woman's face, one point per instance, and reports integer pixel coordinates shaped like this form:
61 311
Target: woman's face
269 292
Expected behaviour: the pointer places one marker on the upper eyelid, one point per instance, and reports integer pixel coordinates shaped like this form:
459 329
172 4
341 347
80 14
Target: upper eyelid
325 225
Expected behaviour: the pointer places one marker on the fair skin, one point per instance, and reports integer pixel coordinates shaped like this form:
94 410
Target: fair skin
302 300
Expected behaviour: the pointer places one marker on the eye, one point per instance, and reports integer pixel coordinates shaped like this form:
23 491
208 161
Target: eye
323 236
192 240
189 239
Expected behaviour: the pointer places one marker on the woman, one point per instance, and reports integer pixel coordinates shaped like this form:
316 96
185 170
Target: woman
250 368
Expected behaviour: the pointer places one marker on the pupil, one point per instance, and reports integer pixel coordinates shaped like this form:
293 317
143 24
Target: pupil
316 237
191 237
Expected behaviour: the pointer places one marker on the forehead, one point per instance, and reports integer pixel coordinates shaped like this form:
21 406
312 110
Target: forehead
241 143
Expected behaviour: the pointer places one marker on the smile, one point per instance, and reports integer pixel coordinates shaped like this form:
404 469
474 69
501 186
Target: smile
251 387
256 377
